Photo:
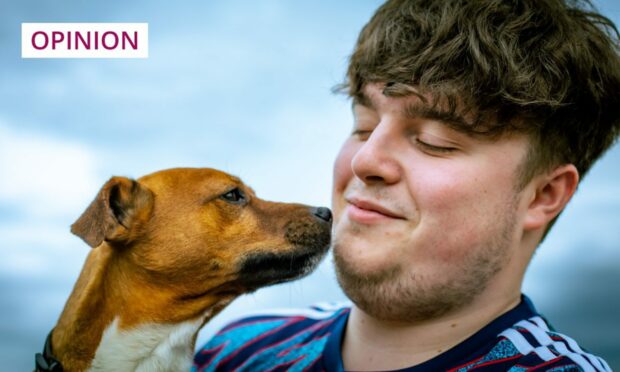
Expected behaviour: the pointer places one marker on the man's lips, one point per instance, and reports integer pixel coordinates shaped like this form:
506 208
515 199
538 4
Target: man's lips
366 211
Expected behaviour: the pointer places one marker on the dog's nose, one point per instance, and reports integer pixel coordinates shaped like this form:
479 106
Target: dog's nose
323 213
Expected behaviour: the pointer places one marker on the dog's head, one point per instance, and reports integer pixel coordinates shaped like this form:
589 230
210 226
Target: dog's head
202 231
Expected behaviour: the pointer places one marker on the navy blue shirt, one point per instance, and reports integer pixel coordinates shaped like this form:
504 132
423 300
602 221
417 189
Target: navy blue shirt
310 340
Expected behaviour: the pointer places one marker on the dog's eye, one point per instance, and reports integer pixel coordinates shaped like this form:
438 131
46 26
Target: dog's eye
234 196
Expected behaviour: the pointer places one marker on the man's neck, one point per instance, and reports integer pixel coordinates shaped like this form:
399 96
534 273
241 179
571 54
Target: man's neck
371 344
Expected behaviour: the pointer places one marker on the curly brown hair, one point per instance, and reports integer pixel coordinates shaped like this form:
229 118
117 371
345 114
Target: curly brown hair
549 68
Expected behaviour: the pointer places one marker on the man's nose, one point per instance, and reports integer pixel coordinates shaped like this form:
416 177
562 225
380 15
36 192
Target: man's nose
374 161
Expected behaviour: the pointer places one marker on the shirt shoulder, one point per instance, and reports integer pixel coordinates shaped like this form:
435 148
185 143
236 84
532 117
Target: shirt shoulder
531 344
270 339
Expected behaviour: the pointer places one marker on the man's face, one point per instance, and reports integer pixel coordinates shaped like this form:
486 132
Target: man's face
425 216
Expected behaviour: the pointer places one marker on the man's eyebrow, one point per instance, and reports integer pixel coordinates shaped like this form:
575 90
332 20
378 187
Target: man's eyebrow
363 100
423 109
448 117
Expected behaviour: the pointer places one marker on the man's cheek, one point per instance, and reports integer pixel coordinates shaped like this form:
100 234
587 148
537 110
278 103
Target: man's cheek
342 166
443 188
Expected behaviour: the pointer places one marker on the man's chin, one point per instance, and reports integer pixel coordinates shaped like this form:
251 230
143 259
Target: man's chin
388 294
364 286
364 268
363 254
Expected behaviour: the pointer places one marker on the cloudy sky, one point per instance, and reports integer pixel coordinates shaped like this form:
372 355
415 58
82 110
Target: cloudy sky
240 86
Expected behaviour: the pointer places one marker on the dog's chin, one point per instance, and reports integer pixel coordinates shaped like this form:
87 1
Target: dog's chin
263 269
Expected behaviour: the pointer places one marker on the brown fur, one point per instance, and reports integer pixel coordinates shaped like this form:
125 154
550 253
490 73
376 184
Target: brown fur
168 248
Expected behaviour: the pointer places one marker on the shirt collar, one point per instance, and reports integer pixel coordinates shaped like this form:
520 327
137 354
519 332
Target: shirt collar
332 357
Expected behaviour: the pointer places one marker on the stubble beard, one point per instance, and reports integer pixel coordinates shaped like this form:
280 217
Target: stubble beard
395 293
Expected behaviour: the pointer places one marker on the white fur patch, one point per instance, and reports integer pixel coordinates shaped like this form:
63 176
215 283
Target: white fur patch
149 347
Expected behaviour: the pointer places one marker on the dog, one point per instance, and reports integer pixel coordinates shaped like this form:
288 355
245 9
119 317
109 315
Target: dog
170 250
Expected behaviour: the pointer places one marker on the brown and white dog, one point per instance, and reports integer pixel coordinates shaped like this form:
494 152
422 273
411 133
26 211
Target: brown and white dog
170 251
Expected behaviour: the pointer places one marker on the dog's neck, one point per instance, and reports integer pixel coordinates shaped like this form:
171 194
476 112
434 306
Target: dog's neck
107 323
148 347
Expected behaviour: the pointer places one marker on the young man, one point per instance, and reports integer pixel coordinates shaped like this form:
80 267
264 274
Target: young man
474 121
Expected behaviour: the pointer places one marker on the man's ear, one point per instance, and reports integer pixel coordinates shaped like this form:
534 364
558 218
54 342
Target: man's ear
117 214
551 193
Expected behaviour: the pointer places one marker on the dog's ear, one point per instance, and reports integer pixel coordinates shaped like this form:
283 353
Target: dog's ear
117 214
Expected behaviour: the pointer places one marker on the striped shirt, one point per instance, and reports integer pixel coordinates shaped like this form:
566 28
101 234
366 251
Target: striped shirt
309 340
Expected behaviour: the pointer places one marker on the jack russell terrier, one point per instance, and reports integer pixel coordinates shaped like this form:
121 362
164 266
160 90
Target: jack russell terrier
171 250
